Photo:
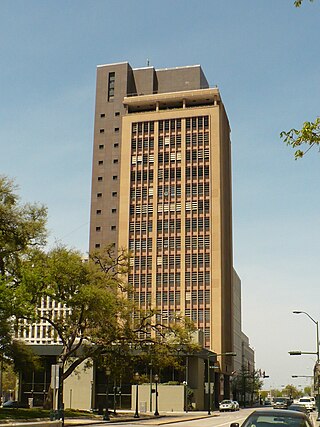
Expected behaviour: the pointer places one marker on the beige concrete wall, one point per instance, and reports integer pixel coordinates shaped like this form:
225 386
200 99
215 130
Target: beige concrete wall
248 353
78 388
221 234
170 398
237 346
180 78
226 241
195 381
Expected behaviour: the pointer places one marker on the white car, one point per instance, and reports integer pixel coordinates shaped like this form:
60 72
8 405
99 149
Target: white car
236 405
226 405
307 402
313 399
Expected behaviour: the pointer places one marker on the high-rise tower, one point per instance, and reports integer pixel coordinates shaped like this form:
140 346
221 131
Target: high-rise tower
161 187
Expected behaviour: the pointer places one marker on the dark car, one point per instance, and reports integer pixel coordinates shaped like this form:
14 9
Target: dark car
14 404
275 418
299 408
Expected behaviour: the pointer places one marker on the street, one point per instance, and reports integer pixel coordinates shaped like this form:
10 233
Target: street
192 419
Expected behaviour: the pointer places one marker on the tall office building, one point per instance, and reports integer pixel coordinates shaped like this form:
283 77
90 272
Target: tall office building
161 187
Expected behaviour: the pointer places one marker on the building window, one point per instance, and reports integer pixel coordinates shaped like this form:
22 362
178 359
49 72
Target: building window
113 227
115 161
101 130
116 145
97 245
100 178
116 129
100 162
115 177
98 211
114 194
98 228
114 210
117 113
102 115
99 194
111 82
101 146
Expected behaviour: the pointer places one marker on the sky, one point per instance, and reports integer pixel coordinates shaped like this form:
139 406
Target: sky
262 54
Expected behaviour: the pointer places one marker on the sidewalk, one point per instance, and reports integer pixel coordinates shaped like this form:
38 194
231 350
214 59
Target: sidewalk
315 417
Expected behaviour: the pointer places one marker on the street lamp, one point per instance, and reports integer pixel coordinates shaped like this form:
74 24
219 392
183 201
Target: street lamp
114 398
185 384
186 403
156 380
136 378
106 414
228 353
150 377
317 330
298 353
60 414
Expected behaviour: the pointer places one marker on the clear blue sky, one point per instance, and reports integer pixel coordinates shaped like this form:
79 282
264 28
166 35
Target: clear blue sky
262 54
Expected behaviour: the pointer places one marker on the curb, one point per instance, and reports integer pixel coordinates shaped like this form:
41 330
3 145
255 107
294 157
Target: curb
159 420
69 422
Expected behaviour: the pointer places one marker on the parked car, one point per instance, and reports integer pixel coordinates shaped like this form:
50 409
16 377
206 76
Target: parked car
299 408
313 399
307 402
236 405
275 418
14 404
226 405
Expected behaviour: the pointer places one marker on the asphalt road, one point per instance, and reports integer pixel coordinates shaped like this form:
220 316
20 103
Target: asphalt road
217 419
185 420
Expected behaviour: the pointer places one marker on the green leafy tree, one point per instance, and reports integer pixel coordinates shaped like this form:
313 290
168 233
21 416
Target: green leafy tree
9 378
276 392
308 136
264 394
246 385
306 391
22 228
99 318
100 321
298 3
291 391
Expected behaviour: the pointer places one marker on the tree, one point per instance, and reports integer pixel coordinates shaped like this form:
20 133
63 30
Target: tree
276 392
246 384
291 391
22 228
308 136
99 318
298 3
306 391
